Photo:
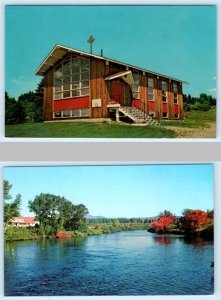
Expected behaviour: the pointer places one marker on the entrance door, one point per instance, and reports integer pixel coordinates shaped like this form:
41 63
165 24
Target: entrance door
117 91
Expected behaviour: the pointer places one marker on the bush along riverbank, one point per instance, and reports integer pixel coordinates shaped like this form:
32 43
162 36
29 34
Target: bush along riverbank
29 233
191 223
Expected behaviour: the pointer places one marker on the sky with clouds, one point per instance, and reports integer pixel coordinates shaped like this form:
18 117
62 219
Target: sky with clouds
179 41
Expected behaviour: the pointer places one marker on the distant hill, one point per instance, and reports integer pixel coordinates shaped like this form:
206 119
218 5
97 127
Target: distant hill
94 217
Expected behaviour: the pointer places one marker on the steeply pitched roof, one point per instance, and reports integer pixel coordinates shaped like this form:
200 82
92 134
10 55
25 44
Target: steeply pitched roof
59 51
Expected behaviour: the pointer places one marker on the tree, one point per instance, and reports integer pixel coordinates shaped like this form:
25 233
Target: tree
164 222
195 220
11 209
57 213
38 102
14 112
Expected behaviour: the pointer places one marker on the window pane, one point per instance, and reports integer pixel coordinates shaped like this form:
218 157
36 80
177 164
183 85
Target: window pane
76 77
84 62
76 85
75 113
57 114
75 93
66 64
57 88
85 112
66 72
66 87
150 96
175 88
66 113
150 90
75 62
84 84
150 82
57 81
164 99
84 68
58 73
66 94
85 92
135 87
135 95
164 114
66 79
75 70
136 77
57 96
84 76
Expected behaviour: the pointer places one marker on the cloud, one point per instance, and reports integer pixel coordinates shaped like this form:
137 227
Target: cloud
213 90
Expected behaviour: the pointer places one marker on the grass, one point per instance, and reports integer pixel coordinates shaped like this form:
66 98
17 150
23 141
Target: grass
85 130
194 119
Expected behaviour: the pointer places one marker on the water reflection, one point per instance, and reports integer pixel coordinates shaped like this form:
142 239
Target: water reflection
165 240
196 240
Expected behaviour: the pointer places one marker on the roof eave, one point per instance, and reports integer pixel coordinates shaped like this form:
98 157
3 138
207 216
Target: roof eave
57 46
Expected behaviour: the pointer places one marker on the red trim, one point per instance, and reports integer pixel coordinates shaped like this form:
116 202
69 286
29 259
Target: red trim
136 103
176 108
165 107
151 105
71 103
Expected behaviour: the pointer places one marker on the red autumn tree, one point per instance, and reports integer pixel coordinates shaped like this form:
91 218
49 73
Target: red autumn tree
195 220
163 222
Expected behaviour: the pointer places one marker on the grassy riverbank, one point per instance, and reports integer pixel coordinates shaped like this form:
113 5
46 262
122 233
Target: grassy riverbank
25 233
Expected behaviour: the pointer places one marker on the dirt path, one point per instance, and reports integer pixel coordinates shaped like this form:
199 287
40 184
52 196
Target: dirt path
201 133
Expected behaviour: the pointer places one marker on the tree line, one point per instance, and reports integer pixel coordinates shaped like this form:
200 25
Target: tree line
204 102
28 108
192 221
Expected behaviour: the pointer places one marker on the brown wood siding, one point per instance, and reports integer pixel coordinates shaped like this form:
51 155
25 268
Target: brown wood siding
48 96
103 89
180 101
170 100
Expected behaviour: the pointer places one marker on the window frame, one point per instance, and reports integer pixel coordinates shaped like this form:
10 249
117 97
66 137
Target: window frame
71 114
175 98
164 96
148 93
68 79
165 112
137 91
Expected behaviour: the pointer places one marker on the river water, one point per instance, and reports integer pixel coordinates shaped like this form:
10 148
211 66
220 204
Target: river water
123 263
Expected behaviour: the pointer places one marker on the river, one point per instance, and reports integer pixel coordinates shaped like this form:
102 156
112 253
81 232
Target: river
123 263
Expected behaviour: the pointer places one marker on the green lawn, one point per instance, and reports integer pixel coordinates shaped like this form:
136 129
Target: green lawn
85 130
194 119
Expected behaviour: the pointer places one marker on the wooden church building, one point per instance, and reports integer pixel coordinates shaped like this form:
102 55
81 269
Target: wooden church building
78 84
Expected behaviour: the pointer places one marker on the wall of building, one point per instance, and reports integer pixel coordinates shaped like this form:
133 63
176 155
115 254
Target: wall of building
103 89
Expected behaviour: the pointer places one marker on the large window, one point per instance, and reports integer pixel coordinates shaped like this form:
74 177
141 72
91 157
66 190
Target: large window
175 93
74 113
135 86
164 91
150 89
71 78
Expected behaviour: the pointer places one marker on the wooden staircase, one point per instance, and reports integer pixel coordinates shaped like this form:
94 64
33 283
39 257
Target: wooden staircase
137 116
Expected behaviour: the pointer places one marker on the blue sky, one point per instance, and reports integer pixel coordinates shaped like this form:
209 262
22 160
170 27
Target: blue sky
118 191
179 41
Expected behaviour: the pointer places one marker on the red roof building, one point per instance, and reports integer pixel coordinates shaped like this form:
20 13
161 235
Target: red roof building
24 221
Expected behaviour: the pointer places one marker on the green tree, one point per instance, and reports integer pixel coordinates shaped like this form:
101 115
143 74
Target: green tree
11 208
14 112
38 102
57 213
